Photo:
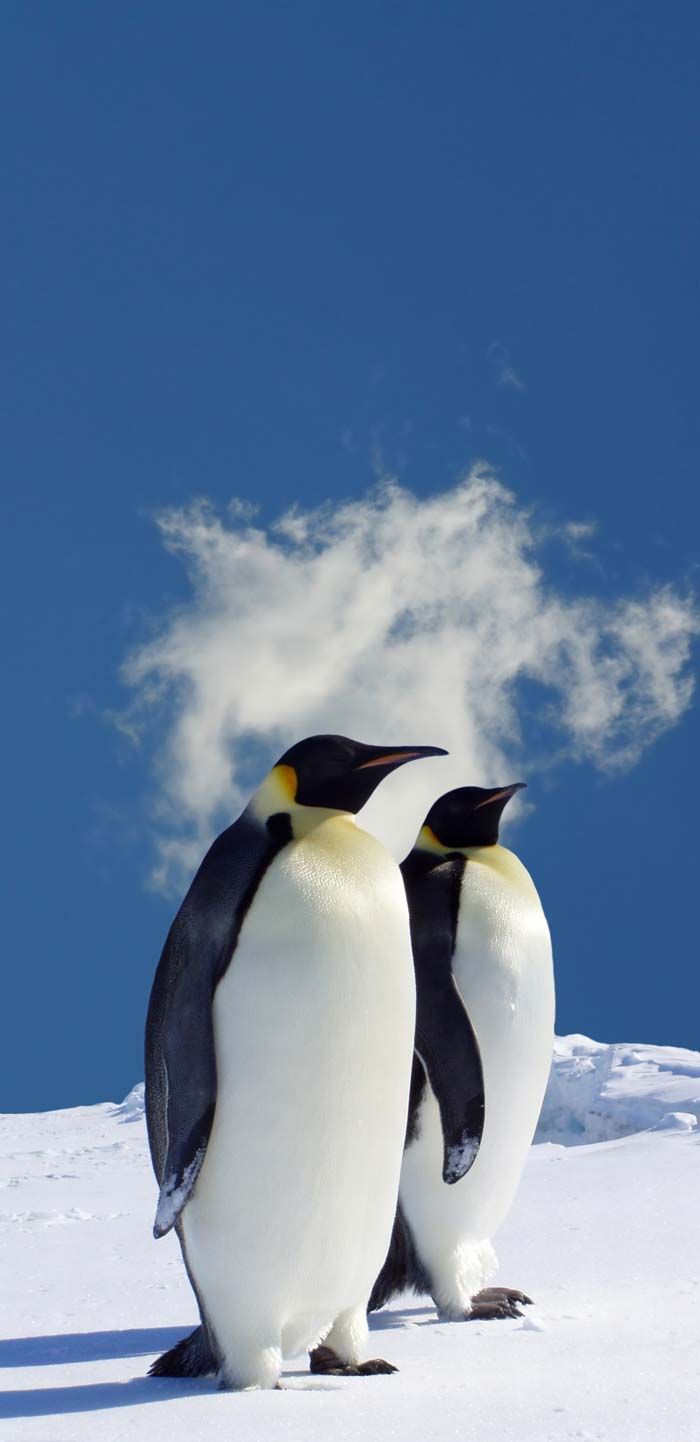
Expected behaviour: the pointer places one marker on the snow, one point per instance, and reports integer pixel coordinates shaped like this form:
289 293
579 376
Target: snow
604 1234
597 1092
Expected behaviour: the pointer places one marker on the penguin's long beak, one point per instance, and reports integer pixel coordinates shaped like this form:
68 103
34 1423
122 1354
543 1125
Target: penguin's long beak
403 753
504 794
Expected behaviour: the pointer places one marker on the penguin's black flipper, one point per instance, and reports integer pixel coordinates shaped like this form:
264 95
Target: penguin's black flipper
445 1039
180 1057
449 1051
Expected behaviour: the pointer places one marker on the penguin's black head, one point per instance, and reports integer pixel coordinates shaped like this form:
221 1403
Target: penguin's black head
340 774
468 816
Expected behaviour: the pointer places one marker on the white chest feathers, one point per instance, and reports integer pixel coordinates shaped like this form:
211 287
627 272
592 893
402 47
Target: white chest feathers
313 1027
502 965
503 954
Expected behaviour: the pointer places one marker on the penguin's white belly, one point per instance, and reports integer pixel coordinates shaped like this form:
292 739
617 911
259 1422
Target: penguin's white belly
291 1215
503 969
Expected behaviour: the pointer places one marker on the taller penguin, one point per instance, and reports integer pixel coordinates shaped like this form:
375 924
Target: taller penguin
480 940
278 1057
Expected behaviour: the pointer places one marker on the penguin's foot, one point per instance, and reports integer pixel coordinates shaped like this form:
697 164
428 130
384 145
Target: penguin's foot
496 1302
325 1360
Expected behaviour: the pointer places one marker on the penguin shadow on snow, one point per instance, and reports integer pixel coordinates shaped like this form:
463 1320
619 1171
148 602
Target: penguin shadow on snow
62 1347
74 1347
399 1317
67 1348
100 1396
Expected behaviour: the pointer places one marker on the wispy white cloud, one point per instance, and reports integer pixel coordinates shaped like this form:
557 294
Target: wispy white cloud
505 372
575 534
508 376
393 619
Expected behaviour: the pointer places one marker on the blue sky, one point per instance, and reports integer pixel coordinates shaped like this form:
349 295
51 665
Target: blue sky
274 252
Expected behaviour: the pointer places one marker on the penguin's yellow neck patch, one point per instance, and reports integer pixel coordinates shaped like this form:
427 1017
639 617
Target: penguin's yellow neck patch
498 859
427 841
489 855
506 865
278 793
286 779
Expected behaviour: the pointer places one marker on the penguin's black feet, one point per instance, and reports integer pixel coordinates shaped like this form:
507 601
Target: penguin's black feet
497 1302
326 1361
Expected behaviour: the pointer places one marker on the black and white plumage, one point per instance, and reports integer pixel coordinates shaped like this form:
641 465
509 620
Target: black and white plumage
278 1048
181 1076
475 916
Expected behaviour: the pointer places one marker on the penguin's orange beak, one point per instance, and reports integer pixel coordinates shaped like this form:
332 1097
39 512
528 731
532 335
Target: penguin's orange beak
399 755
503 795
394 758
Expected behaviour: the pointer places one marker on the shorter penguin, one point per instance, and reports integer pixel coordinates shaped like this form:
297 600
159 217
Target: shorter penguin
477 929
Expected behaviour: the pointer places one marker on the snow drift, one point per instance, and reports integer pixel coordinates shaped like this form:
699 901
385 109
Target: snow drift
599 1092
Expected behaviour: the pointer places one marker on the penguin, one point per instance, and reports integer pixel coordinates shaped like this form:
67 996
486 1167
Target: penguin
478 929
279 1039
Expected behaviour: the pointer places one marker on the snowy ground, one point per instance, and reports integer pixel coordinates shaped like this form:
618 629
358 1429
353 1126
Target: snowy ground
605 1237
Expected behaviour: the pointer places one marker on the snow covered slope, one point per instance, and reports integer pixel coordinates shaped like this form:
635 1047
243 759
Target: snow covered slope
598 1092
605 1237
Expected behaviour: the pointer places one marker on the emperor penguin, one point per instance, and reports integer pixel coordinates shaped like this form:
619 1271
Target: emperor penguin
480 937
278 1058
